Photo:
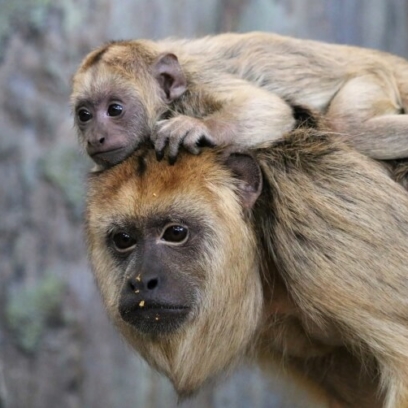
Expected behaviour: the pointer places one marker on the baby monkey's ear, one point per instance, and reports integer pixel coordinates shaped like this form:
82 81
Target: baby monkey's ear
170 76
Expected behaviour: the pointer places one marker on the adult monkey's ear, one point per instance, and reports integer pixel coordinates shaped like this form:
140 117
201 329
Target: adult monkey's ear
170 77
247 172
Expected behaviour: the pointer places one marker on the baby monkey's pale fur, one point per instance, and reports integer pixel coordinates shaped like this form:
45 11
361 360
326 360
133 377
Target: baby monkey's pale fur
237 89
300 253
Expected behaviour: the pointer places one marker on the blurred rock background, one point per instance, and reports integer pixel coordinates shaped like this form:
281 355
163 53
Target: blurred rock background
57 348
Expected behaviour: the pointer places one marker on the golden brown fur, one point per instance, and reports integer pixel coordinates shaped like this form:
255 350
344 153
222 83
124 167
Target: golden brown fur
240 89
311 268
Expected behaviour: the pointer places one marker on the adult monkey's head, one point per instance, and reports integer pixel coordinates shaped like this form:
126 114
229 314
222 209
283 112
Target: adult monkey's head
175 258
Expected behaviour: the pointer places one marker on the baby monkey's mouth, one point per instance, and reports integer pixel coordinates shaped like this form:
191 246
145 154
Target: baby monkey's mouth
110 157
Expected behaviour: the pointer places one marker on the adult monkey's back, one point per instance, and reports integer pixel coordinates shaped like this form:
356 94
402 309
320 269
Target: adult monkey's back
298 250
239 89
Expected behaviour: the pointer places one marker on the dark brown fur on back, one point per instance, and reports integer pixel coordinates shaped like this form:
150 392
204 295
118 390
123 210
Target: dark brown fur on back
336 228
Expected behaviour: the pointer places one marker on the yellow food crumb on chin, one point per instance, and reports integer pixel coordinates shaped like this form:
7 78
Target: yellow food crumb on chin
141 304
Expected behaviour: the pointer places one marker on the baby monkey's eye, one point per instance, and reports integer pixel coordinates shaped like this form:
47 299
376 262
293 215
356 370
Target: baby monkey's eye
176 234
115 109
123 242
84 115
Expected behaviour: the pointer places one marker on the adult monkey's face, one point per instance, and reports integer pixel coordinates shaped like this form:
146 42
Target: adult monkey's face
175 258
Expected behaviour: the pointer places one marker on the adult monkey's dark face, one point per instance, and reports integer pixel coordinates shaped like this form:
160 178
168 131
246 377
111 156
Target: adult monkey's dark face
176 260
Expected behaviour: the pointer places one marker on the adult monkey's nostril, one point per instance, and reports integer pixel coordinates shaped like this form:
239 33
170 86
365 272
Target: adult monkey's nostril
152 284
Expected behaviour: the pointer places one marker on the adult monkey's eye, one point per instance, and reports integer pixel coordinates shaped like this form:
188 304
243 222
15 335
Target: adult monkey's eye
175 233
115 109
123 242
84 115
